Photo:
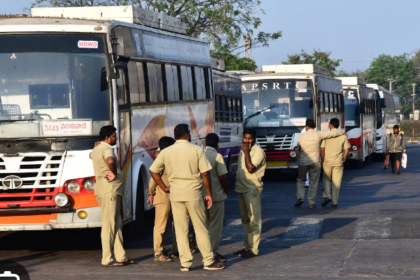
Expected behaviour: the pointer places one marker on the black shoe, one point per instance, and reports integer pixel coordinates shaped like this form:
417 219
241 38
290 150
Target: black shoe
393 172
247 254
398 172
312 206
219 258
334 205
326 202
240 252
299 202
214 266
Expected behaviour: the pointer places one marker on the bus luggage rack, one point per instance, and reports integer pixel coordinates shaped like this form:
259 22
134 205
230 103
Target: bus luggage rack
275 143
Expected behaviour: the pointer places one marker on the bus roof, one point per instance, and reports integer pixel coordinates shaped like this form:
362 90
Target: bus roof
352 81
296 69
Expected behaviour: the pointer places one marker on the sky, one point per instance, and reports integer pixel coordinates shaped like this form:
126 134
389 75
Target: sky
355 31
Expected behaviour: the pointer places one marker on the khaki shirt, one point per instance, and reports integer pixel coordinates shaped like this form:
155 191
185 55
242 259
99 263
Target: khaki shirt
184 163
246 181
334 149
218 169
100 167
308 145
160 197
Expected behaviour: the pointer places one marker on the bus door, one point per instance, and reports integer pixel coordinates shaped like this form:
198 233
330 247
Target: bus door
125 145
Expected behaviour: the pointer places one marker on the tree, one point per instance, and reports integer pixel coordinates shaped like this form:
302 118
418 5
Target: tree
357 73
318 57
223 22
400 68
233 62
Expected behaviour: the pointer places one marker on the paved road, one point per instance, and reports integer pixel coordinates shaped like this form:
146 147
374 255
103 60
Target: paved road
375 232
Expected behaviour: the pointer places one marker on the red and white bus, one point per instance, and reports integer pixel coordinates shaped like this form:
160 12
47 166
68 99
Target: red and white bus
360 118
62 79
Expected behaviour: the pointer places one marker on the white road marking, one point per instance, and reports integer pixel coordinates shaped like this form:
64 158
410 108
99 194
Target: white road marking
373 228
233 230
304 229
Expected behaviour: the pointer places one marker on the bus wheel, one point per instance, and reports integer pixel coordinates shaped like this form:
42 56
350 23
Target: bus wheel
136 227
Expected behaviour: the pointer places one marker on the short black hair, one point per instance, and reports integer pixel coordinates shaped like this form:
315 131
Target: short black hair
165 142
250 131
180 130
310 123
335 122
396 126
106 131
212 139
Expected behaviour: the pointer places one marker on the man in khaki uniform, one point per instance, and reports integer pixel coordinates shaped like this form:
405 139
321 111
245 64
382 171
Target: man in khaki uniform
162 203
333 164
308 149
249 186
187 168
219 191
109 191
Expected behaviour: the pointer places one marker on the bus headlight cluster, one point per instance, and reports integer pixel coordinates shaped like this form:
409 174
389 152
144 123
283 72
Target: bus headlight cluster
354 148
73 187
293 154
61 200
89 184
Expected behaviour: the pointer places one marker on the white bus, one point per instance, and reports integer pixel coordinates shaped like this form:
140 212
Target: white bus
62 79
278 101
229 116
388 115
360 119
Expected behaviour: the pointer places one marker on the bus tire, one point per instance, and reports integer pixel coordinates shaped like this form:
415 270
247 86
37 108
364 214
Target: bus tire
136 227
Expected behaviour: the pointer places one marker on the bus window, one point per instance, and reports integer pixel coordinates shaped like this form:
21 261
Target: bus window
200 83
219 109
141 82
172 87
121 89
132 79
326 100
187 83
229 109
233 107
159 83
335 102
321 102
331 102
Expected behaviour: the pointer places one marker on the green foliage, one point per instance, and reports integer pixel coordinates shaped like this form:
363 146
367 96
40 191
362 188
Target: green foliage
318 57
357 73
402 69
223 22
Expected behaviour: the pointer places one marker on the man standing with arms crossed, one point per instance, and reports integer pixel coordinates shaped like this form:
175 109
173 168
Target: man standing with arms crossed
109 191
249 186
187 168
219 190
395 146
308 149
333 164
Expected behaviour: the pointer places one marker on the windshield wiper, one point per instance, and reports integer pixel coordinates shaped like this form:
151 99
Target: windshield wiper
256 114
12 121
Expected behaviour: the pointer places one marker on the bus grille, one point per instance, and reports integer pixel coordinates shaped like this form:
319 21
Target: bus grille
276 143
40 174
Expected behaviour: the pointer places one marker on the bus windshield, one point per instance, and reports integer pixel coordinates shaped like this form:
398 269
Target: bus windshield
288 102
352 108
52 86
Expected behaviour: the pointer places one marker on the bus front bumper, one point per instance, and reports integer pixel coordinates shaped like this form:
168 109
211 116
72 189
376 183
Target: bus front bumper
49 221
355 155
281 164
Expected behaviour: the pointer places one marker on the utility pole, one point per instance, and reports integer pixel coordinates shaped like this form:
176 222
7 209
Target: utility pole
414 96
390 80
248 46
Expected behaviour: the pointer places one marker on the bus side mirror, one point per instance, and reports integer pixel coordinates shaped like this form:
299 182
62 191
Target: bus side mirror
112 68
383 103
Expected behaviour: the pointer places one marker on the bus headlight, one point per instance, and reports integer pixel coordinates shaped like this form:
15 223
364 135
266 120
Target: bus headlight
293 154
354 148
73 187
61 200
89 184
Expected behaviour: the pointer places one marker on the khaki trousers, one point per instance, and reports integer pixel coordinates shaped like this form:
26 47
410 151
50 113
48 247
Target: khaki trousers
111 232
162 215
250 206
182 212
314 173
333 176
215 217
